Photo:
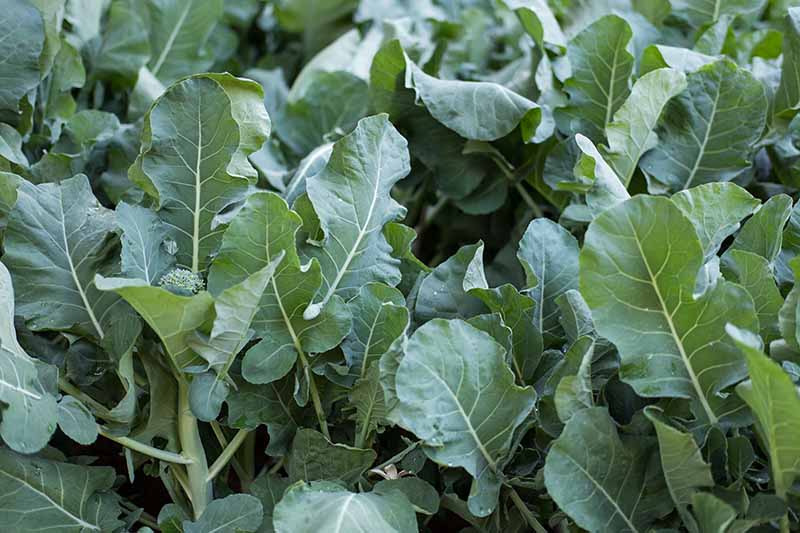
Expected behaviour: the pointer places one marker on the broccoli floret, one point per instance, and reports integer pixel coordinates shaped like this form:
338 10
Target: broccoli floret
182 281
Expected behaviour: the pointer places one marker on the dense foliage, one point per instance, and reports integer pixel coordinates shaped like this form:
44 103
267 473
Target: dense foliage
399 265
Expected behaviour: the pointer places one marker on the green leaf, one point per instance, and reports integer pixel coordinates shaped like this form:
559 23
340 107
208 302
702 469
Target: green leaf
351 197
313 457
237 512
594 176
419 492
753 272
338 511
443 292
76 421
549 255
379 317
172 316
713 514
685 471
707 132
703 12
574 390
11 146
125 43
145 243
762 234
29 410
775 402
38 494
539 21
481 111
715 210
368 399
601 69
457 393
681 59
603 483
22 44
264 229
193 157
58 237
269 489
179 33
632 132
787 96
638 270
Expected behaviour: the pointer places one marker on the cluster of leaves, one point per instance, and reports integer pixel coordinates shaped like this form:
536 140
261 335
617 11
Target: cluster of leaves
482 265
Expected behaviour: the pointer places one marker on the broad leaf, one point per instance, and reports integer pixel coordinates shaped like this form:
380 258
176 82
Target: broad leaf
38 494
443 292
146 246
313 457
762 234
269 489
601 69
753 272
787 96
58 237
351 197
76 421
638 270
707 132
604 483
20 48
193 157
338 511
457 393
241 513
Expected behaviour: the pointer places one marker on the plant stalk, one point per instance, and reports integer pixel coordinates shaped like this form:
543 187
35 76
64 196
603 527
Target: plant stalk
199 488
312 386
144 449
526 513
227 454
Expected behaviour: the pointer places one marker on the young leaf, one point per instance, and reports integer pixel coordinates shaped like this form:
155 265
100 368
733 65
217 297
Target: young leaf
76 421
762 234
443 292
457 394
145 243
638 270
351 198
313 457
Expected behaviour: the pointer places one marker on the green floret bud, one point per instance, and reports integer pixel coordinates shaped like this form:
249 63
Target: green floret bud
182 281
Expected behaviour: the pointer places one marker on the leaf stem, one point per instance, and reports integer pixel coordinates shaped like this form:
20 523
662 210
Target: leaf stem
144 518
526 513
312 386
144 449
537 211
398 456
277 466
101 410
227 455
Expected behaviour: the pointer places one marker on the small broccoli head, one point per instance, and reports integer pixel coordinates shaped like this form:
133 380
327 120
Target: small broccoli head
182 281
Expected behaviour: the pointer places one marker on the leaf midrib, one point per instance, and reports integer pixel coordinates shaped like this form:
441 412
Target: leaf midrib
172 36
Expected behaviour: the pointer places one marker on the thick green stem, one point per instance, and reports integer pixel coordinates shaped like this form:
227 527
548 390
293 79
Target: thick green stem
199 488
537 211
312 386
227 454
144 449
247 458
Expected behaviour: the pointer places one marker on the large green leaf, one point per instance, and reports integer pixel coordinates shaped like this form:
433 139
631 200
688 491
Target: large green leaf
40 494
264 229
23 41
601 69
58 237
338 511
193 158
604 483
774 399
351 197
638 270
179 32
457 393
632 132
707 132
29 410
313 457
